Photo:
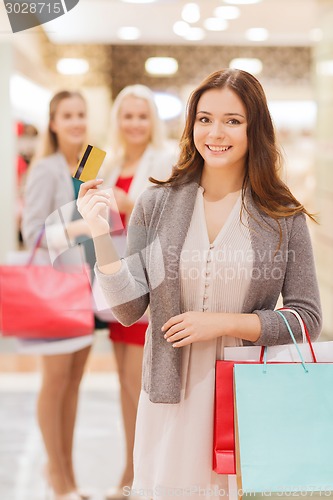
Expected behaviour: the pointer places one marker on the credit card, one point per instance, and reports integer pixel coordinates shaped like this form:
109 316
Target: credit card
89 164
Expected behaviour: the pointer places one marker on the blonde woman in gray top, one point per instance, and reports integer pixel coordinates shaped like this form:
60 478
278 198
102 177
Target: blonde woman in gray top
139 150
50 186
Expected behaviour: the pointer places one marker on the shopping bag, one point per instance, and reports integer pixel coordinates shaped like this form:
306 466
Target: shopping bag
224 448
284 426
224 438
224 453
44 302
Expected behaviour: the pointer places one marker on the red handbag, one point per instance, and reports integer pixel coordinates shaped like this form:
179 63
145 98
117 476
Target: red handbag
43 302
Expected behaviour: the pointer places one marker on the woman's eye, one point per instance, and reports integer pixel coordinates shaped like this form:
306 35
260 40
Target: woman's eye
204 119
233 121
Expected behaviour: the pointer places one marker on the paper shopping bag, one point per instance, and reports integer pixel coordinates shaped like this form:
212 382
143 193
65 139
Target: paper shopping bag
284 418
224 461
224 455
224 438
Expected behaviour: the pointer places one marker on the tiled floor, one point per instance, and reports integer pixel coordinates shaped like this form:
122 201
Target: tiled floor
99 453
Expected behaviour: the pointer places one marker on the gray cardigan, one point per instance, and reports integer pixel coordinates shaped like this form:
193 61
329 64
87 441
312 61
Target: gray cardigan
149 276
50 201
49 187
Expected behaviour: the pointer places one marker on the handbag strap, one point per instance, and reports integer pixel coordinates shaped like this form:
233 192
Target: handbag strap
36 246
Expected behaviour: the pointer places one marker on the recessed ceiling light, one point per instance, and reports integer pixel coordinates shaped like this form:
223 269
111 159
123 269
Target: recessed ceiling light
241 2
191 12
195 34
215 24
181 28
129 33
249 64
72 66
161 66
227 12
257 34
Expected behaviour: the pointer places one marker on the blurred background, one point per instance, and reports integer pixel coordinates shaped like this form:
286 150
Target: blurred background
99 47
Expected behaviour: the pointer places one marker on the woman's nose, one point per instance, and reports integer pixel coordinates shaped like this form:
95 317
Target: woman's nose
217 130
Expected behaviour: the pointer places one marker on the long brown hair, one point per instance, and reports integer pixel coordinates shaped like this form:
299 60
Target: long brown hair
263 162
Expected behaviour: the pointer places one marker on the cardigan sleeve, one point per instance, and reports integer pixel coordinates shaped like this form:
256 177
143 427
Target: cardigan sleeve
127 290
300 291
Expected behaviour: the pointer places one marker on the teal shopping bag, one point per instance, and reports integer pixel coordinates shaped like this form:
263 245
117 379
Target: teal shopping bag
284 419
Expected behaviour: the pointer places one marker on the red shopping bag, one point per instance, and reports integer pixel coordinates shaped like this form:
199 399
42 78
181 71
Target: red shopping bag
224 460
224 455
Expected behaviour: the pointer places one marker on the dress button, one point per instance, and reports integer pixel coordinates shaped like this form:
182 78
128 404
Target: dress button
207 273
211 245
207 284
209 260
205 308
205 297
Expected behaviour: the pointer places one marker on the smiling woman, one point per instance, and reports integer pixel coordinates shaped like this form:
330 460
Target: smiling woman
224 198
49 187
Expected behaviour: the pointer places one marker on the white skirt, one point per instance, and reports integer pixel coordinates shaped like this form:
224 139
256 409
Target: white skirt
174 442
50 347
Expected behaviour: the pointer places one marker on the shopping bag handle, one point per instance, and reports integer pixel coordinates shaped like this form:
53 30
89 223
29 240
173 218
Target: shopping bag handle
293 339
305 334
263 354
36 246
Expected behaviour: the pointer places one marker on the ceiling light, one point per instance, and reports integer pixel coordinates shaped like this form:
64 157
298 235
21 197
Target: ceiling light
241 2
251 65
195 34
215 24
72 66
128 33
191 12
161 66
227 12
181 28
169 106
257 34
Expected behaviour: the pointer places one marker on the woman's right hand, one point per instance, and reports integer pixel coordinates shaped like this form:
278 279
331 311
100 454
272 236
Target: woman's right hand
94 205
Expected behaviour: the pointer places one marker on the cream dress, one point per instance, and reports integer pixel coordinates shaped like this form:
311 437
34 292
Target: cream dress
174 442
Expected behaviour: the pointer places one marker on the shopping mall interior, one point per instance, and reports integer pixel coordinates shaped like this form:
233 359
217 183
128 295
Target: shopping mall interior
98 47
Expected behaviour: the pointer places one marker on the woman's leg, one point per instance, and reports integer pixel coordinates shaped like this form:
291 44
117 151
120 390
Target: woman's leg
129 361
69 410
55 375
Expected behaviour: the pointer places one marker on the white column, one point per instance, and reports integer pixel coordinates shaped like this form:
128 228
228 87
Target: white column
8 228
